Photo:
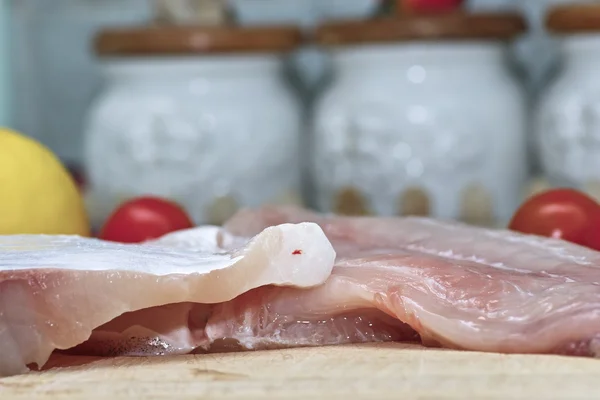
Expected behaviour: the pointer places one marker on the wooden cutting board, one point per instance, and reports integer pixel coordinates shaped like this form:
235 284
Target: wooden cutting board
383 371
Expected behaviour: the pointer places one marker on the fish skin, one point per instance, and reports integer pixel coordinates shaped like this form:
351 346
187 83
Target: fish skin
457 286
49 300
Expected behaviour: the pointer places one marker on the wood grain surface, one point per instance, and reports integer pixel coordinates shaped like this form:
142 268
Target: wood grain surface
384 371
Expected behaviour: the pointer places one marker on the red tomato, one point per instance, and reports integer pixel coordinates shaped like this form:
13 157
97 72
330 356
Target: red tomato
591 237
560 213
144 218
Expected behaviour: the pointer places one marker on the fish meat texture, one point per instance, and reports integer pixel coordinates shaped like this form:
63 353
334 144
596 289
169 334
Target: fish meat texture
394 279
68 292
445 283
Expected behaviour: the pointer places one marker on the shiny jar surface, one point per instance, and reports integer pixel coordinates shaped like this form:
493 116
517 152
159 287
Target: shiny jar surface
214 133
421 128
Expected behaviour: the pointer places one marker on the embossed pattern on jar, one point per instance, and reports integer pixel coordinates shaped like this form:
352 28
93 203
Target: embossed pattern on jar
414 128
214 134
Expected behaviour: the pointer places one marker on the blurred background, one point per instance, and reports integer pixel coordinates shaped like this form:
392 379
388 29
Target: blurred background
414 107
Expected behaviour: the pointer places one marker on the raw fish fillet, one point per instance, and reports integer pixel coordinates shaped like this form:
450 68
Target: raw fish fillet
454 285
394 279
54 290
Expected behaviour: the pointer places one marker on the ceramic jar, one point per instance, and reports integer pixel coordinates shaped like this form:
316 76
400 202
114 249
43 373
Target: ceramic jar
567 121
422 118
198 115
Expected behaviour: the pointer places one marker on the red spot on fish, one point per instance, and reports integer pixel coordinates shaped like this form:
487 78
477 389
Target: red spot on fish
296 252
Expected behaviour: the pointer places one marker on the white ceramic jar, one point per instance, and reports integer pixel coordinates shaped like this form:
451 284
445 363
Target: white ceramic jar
415 126
567 121
200 116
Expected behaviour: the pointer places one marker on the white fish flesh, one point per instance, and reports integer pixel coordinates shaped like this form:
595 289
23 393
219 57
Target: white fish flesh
54 290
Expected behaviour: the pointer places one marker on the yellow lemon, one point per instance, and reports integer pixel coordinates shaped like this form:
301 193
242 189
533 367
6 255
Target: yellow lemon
37 193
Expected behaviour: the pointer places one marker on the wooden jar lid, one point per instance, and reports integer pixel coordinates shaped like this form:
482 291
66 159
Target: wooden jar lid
181 40
579 18
453 26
